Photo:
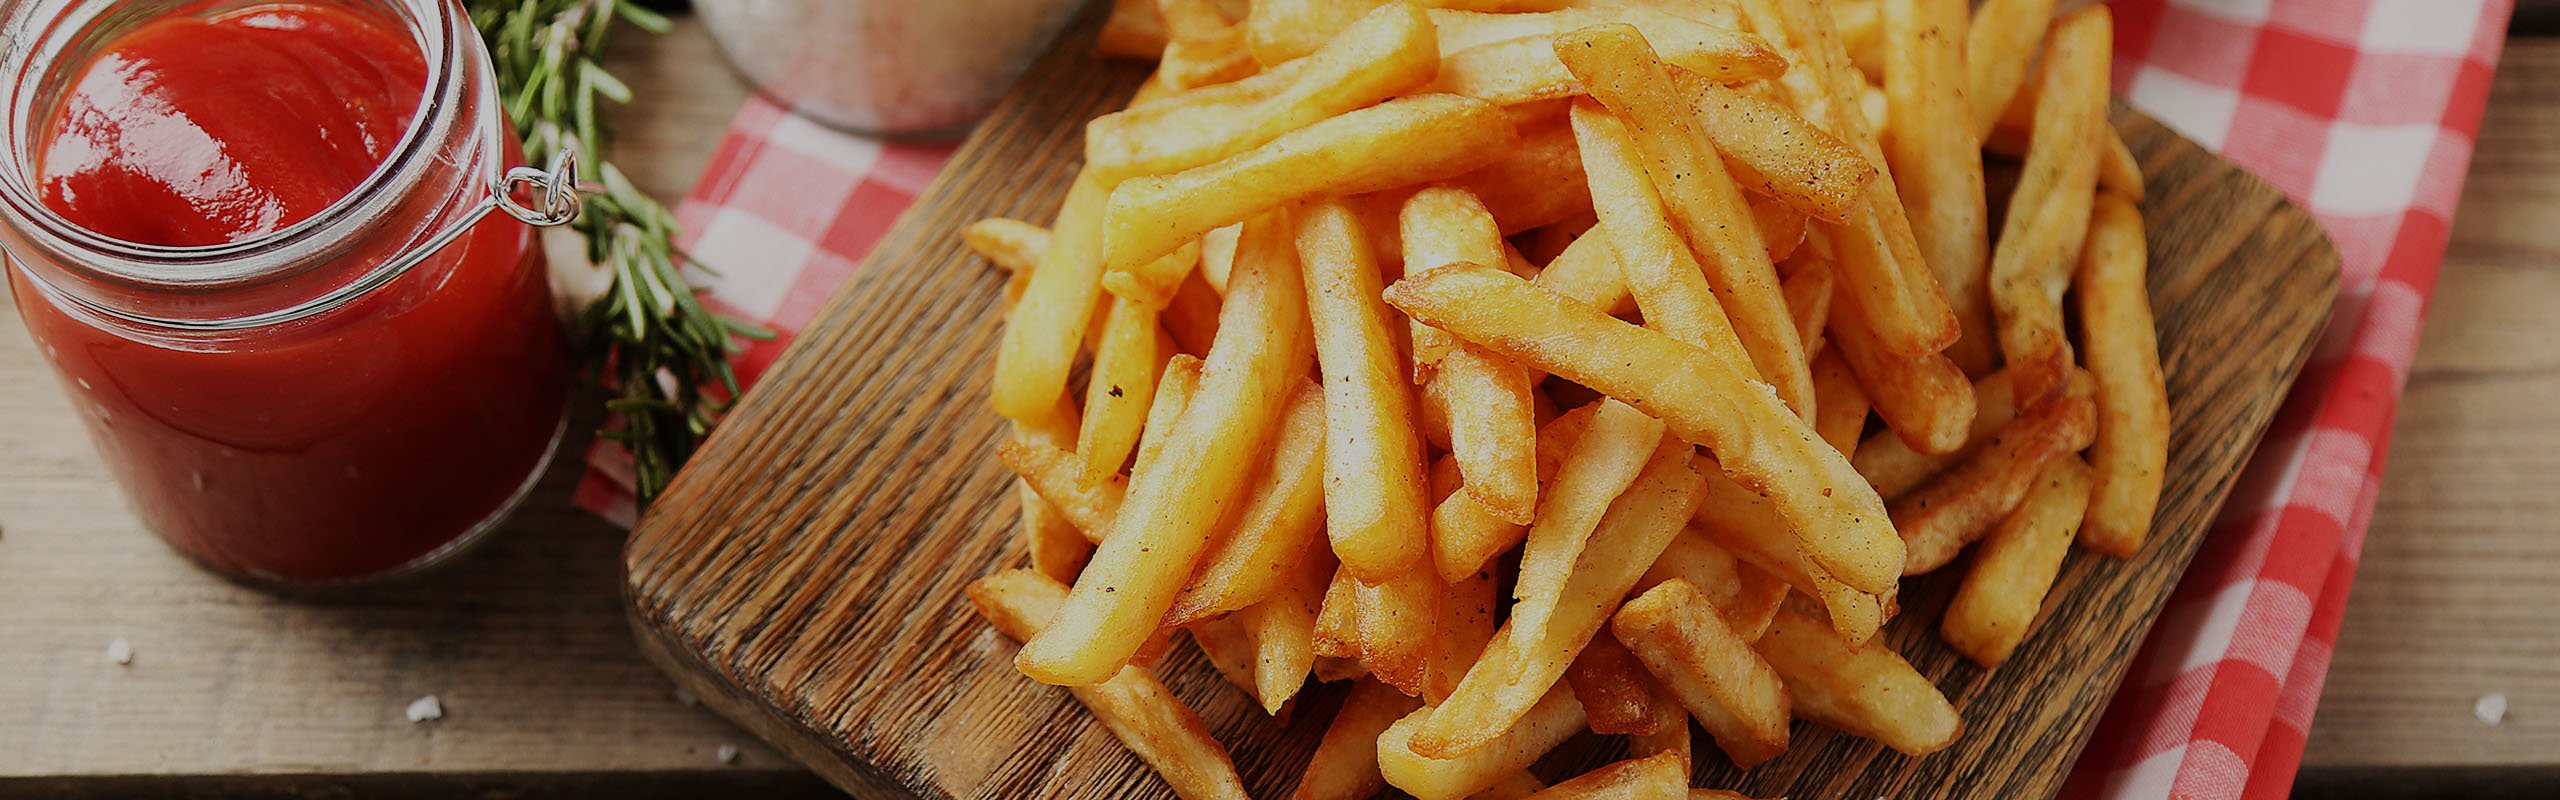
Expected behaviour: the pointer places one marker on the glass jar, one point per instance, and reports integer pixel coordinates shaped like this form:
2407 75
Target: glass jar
895 67
355 394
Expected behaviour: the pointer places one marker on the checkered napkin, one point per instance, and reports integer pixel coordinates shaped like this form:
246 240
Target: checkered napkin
2363 111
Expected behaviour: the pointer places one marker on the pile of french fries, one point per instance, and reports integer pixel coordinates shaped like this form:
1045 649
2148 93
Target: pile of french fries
1548 365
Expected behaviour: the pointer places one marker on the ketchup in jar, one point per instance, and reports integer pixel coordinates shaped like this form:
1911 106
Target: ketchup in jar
256 241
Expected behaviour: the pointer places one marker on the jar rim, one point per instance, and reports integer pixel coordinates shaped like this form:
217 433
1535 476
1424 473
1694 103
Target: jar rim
439 29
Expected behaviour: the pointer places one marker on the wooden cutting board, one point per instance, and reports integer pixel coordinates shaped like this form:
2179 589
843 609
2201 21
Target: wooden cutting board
804 575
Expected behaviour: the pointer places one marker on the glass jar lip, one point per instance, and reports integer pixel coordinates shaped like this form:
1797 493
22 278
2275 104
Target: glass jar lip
431 25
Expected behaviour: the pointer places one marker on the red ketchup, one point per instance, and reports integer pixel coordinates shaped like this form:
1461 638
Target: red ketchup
340 444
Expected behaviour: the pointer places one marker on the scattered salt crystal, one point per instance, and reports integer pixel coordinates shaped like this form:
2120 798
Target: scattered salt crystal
423 709
120 652
728 754
2491 708
687 698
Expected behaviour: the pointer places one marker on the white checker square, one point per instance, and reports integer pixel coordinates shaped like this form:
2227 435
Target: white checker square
2433 27
854 154
2372 169
757 260
2201 111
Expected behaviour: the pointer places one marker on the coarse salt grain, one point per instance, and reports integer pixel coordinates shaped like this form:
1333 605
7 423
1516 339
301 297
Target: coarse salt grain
120 652
728 754
423 709
2491 708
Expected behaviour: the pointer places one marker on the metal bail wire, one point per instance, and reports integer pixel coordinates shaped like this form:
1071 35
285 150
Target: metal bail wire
554 191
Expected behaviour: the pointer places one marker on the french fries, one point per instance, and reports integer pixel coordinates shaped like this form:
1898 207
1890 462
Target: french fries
2049 213
1355 296
2131 452
2015 566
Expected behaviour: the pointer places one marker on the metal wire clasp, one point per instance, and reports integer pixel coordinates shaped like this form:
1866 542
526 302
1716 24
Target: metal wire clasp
553 191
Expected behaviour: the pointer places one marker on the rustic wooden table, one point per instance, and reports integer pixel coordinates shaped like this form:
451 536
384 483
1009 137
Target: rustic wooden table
235 692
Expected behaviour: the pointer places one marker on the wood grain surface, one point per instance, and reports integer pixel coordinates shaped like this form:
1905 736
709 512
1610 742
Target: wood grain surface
805 573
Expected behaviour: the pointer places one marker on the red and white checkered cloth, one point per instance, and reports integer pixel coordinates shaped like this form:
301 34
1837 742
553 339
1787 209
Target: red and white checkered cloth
2363 111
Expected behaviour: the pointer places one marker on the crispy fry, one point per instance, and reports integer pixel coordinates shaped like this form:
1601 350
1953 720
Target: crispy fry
1880 262
1012 244
1519 785
1962 504
1345 764
1744 524
1781 228
1604 463
1275 530
1154 283
1612 687
1840 405
2049 214
1656 265
1671 728
1374 482
1862 32
1587 271
1778 153
2016 565
1436 136
2131 451
1283 629
1132 30
1229 649
1526 70
1659 777
1465 627
1385 53
1338 624
1745 594
1280 30
1132 704
1465 535
1396 622
1175 499
1218 256
1866 690
1706 205
1924 399
1538 184
1511 750
1492 433
1046 326
1937 159
1057 548
1192 318
2000 42
1890 465
1123 384
2119 170
1203 45
1059 478
1838 518
1675 630
1526 660
1808 292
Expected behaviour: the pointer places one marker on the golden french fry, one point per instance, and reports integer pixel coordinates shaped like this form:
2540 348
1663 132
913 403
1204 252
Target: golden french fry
1408 140
1840 405
1587 271
1203 45
1042 334
1880 262
1396 622
2131 451
1526 660
1808 291
1175 499
1279 527
1332 669
1345 764
1676 632
1218 256
1671 728
1192 318
1778 153
1338 624
2000 42
1012 244
1132 30
1604 463
1525 69
1936 157
1155 283
1657 266
1781 228
1612 688
1744 524
1515 787
1511 750
1924 399
1058 476
1538 183
1745 594
2016 565
1894 468
1492 434
1867 690
1120 389
1229 649
1132 704
1374 481
2049 214
1465 536
1280 30
1466 626
1659 777
1283 627
1962 504
1057 548
1862 32
1706 205
2119 170
1835 514
1385 53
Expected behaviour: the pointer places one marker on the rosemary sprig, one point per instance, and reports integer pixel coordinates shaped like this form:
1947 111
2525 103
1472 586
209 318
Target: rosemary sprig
647 340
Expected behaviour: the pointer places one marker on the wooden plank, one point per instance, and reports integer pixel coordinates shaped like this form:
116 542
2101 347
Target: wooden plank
805 573
2459 591
523 640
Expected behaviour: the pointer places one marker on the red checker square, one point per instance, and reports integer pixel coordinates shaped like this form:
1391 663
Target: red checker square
909 166
810 290
2468 98
2305 72
793 191
2136 23
2393 89
2202 47
2340 21
2279 143
862 218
